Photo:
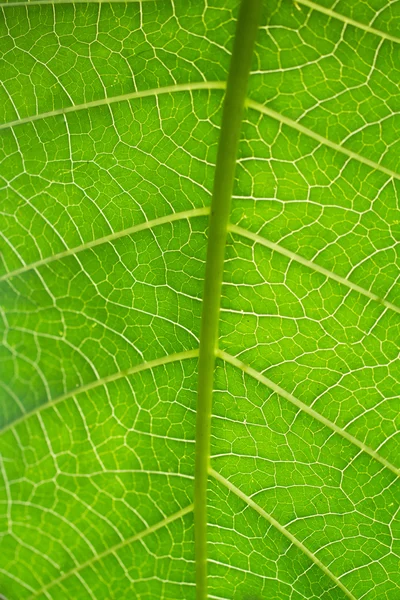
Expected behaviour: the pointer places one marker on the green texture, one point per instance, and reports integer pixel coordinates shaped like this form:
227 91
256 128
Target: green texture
110 120
232 115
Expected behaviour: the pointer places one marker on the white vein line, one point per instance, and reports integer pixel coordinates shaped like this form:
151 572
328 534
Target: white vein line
308 3
165 360
14 579
319 138
187 214
348 20
55 2
312 265
307 409
152 529
208 85
169 89
282 530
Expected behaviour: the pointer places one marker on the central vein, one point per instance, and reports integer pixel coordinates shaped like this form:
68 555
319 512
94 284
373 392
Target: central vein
235 96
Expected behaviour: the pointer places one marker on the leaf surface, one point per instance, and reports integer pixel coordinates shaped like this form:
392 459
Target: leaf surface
110 120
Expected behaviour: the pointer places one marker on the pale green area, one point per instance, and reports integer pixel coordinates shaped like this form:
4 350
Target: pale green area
98 357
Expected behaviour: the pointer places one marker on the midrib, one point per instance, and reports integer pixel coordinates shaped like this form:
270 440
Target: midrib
234 102
219 224
206 85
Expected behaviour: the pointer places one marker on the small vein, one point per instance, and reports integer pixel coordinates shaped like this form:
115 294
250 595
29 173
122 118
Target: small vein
282 530
55 2
187 214
139 536
312 265
319 138
307 409
165 360
348 20
169 89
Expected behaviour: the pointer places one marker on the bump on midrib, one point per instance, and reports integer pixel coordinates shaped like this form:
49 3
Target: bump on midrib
250 502
225 356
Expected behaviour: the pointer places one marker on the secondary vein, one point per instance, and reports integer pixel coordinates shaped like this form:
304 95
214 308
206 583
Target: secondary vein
152 364
187 214
169 89
113 549
348 20
319 138
259 239
307 409
250 502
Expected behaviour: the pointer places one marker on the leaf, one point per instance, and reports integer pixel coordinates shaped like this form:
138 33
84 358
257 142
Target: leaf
111 117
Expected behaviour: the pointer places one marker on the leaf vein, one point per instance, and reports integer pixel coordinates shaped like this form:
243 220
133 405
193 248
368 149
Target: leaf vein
232 488
312 265
307 409
348 20
169 89
138 536
165 360
319 138
187 214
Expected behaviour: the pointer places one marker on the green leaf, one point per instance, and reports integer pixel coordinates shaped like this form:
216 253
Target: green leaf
111 118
